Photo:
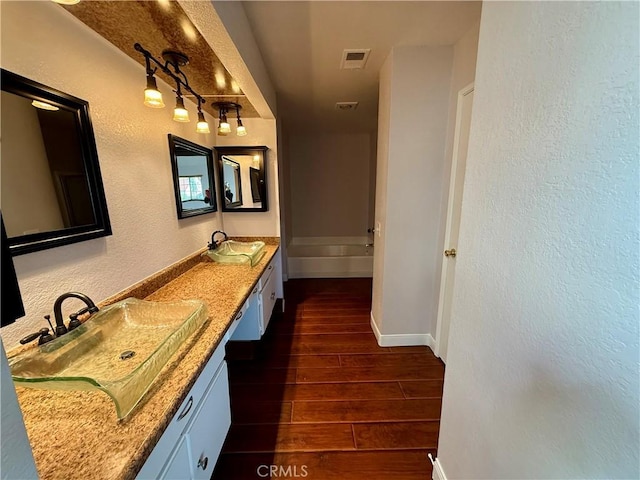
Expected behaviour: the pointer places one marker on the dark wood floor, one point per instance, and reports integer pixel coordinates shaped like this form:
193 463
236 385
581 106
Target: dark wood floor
319 392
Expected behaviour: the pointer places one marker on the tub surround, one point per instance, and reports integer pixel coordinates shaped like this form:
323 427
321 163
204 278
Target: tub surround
77 435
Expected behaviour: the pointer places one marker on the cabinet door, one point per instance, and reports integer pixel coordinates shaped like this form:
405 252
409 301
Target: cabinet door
179 465
209 427
248 327
267 301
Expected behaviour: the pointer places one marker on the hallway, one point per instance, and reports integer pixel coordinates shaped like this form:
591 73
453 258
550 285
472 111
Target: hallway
317 398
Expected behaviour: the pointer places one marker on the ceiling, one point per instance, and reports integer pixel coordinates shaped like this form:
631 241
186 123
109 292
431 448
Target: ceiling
302 45
160 25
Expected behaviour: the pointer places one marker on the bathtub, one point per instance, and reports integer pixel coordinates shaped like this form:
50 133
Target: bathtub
330 261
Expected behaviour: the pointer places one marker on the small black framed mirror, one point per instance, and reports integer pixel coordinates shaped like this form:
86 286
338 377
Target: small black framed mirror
243 178
193 177
52 192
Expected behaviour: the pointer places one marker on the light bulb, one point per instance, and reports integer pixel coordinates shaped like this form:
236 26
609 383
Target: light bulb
44 106
202 125
152 96
66 2
223 128
180 114
241 131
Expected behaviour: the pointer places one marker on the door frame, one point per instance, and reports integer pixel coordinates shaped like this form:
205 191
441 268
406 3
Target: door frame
447 234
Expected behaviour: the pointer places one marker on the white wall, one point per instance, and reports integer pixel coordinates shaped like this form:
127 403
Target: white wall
17 459
330 180
134 158
542 372
420 82
259 132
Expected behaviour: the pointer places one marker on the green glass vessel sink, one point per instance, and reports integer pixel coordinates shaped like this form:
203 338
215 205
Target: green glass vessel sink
234 252
119 350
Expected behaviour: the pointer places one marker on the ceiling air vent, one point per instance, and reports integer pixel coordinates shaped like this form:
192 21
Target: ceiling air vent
346 106
354 58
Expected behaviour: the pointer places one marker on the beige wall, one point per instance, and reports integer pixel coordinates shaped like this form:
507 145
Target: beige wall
134 158
330 179
409 212
29 203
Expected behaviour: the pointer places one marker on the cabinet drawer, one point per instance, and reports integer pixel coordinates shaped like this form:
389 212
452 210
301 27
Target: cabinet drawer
266 275
209 427
168 440
268 300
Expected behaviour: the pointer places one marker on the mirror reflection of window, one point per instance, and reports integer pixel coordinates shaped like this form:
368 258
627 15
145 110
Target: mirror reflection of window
191 188
193 181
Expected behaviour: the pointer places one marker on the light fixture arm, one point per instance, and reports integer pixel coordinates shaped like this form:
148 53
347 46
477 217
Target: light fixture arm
179 77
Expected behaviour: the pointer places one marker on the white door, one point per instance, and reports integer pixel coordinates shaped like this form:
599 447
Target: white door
458 165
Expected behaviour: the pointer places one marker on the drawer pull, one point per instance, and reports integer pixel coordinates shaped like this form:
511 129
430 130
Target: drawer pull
270 267
255 290
187 408
203 462
273 295
239 316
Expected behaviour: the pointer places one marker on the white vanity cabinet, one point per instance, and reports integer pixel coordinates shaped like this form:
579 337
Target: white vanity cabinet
253 318
190 445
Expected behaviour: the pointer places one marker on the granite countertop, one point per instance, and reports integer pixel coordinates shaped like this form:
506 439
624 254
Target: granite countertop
77 434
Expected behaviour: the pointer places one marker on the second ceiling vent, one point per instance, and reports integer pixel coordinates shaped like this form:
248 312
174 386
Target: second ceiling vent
354 58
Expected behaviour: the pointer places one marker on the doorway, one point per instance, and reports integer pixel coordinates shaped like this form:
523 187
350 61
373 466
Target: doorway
454 208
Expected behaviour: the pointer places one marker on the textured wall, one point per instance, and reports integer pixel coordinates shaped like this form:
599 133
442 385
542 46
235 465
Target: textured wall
420 82
330 184
542 372
59 51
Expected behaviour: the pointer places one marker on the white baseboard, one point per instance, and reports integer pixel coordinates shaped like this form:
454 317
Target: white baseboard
401 340
438 472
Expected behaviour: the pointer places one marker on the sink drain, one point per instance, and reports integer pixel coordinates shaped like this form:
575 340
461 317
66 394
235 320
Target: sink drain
126 355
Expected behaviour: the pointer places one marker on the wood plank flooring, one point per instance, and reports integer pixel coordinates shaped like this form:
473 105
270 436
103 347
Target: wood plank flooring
317 398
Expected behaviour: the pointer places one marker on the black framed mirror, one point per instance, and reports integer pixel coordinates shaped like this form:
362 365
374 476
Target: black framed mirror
193 178
52 192
243 178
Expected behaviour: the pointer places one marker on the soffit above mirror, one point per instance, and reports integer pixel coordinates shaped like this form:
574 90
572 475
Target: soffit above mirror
161 25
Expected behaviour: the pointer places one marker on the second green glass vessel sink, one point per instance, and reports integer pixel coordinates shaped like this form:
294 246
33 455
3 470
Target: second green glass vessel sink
234 252
119 350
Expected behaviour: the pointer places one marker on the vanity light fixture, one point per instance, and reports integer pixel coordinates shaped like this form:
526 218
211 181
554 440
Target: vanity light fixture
241 131
173 60
202 125
224 127
152 96
223 124
180 114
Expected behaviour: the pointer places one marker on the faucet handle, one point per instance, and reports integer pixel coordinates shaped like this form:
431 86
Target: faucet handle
43 334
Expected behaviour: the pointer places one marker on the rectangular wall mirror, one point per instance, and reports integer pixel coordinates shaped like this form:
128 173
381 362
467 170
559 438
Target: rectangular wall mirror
52 191
243 178
193 178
